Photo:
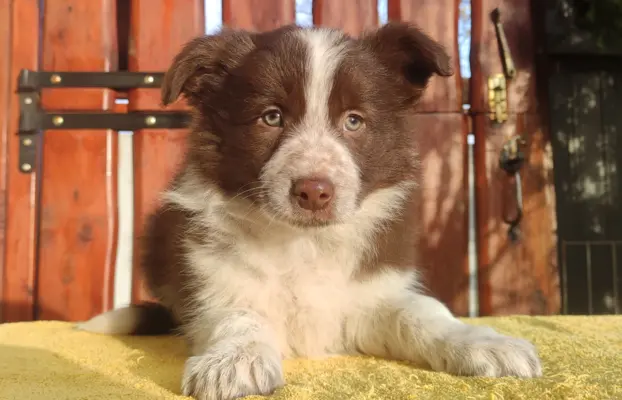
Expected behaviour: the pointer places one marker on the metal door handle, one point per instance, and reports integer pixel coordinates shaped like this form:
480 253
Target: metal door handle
511 160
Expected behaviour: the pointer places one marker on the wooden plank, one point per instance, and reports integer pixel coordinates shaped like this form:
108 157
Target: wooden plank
352 17
19 273
156 36
442 132
78 199
258 15
5 111
443 208
515 277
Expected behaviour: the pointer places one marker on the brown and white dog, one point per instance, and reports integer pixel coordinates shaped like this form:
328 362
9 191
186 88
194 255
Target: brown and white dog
290 229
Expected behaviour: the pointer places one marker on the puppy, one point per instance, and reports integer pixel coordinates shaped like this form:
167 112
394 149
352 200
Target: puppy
290 230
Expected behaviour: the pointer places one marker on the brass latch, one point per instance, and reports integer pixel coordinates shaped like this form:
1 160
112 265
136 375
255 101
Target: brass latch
498 98
497 84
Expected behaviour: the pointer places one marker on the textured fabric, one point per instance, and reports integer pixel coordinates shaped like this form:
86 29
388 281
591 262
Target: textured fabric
582 359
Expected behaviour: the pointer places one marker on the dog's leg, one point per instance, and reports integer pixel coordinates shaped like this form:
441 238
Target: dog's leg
420 329
234 355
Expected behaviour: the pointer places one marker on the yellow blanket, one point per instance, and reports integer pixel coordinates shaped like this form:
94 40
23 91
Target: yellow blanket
582 359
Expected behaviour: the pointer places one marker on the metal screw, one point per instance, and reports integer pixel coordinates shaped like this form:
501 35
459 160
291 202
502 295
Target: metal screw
150 120
28 100
26 167
149 79
55 79
27 142
58 121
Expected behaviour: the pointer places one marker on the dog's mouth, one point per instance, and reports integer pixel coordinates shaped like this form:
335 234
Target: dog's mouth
305 218
297 216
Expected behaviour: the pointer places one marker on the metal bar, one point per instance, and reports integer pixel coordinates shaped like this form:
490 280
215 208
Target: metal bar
29 143
472 246
588 259
564 278
30 81
101 120
614 262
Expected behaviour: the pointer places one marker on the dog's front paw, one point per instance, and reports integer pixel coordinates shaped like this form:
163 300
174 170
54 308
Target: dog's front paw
229 371
481 351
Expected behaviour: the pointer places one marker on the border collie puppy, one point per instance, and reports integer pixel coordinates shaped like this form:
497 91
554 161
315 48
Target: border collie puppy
290 229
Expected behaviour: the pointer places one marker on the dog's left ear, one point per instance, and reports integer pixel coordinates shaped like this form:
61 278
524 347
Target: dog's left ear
405 50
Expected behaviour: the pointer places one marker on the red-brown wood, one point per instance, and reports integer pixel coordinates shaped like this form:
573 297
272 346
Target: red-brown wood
442 133
157 34
351 16
258 15
514 277
439 19
5 99
79 177
19 272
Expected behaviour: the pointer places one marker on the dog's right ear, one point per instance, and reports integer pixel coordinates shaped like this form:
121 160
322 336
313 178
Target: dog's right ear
203 63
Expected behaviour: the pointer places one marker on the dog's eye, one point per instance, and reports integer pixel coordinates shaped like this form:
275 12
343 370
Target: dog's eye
353 122
272 118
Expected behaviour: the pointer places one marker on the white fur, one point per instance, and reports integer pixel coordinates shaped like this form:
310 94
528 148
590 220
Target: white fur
299 280
114 322
291 291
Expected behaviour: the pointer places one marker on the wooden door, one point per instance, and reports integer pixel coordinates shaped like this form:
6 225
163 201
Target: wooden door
515 276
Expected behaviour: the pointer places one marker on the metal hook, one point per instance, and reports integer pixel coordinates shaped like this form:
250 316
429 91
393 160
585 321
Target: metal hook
511 160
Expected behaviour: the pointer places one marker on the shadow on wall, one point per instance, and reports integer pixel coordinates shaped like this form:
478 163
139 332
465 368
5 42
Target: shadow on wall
442 213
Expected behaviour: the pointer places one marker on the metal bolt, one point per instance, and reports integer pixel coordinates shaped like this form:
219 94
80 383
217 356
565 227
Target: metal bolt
55 79
149 79
150 120
58 121
27 142
28 100
26 167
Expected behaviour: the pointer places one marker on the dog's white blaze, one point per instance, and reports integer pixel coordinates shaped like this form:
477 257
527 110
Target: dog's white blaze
324 55
313 149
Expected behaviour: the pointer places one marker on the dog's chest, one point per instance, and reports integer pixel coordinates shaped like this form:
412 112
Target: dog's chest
302 287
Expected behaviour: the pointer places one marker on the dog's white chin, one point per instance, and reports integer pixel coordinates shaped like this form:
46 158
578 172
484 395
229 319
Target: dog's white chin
300 218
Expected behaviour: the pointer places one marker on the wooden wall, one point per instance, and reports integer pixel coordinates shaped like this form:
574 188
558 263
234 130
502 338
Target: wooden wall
61 222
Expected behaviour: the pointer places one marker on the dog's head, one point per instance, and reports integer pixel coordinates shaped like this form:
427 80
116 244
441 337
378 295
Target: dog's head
305 123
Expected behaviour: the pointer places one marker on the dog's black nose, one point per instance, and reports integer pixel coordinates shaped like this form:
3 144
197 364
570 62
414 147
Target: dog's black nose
313 194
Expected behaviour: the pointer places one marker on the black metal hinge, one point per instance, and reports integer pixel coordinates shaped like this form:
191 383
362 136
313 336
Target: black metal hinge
33 120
